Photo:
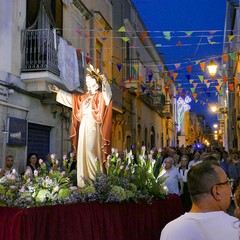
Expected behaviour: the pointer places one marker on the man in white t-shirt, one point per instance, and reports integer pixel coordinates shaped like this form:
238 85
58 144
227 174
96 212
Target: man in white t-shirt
207 220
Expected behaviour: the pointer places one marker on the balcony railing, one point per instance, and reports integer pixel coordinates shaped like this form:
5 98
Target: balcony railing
39 51
167 110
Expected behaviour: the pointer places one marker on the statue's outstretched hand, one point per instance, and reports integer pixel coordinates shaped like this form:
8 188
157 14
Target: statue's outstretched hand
53 88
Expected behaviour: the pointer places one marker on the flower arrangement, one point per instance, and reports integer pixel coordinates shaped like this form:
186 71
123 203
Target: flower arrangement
126 179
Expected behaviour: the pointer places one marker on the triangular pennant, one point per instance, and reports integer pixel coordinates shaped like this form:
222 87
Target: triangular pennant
180 90
86 35
212 32
202 65
205 81
167 35
179 44
197 62
88 59
188 33
125 39
177 65
189 69
188 77
140 78
231 87
233 56
191 81
144 34
225 57
194 95
143 89
192 90
175 75
208 85
122 29
195 85
225 79
230 37
200 77
119 66
218 88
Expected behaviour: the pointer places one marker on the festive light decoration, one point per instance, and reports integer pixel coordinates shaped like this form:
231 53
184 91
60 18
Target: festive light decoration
182 107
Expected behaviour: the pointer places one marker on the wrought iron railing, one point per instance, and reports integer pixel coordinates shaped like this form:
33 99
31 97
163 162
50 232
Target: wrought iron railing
133 69
40 52
167 110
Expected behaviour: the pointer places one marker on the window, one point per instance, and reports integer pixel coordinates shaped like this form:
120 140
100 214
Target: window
54 11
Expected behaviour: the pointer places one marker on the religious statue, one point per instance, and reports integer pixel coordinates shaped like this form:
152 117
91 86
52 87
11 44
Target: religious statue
91 123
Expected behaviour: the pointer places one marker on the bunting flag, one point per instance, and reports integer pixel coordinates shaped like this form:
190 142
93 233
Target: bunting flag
158 45
225 79
177 65
219 81
143 89
188 34
119 66
86 35
218 88
144 34
189 69
231 87
225 57
180 90
208 85
195 85
200 77
205 81
125 39
114 81
230 37
167 35
194 95
135 66
175 75
140 78
233 56
212 32
78 31
197 62
188 77
202 65
191 81
88 59
179 43
122 29
192 90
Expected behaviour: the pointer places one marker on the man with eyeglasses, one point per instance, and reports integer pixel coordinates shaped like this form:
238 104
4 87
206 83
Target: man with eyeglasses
210 192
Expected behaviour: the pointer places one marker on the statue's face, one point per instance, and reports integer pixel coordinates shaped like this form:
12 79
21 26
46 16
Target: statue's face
92 85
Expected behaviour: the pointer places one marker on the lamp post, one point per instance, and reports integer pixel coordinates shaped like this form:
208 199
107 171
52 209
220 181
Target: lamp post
212 68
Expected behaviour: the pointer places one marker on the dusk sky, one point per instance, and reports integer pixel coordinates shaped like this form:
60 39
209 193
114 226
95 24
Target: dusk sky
188 32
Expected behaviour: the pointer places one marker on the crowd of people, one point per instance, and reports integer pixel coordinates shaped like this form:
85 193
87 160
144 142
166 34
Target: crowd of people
207 180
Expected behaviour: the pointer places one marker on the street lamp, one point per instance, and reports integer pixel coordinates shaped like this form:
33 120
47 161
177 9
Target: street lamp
212 68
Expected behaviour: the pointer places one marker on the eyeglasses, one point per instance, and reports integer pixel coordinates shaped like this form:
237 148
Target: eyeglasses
228 181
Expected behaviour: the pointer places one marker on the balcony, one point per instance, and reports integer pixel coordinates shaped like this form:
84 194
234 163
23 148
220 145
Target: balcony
40 64
134 69
167 110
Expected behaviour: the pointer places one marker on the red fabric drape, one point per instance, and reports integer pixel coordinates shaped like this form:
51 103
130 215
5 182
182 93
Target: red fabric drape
90 221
